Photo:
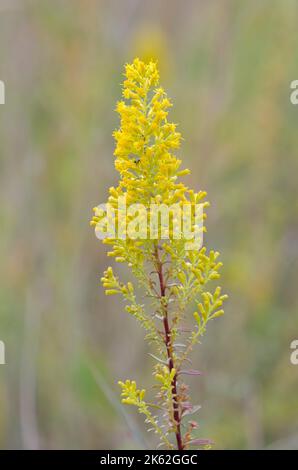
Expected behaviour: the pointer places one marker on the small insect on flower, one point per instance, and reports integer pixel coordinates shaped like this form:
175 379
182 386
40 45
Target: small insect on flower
170 275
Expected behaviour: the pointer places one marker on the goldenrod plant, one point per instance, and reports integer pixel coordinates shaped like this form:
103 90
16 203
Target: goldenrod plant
171 273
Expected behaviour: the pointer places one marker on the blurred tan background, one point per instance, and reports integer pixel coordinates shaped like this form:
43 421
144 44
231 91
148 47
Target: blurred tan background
227 65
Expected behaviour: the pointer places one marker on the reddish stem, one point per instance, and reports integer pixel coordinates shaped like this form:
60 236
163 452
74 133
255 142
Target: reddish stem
168 343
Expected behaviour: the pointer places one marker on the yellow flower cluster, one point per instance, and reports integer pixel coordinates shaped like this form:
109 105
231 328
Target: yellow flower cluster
144 145
130 394
145 140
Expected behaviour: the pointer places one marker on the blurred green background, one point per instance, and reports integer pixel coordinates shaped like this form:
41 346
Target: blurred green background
227 65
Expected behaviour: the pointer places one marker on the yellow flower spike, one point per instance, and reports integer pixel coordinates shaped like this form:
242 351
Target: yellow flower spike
170 274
